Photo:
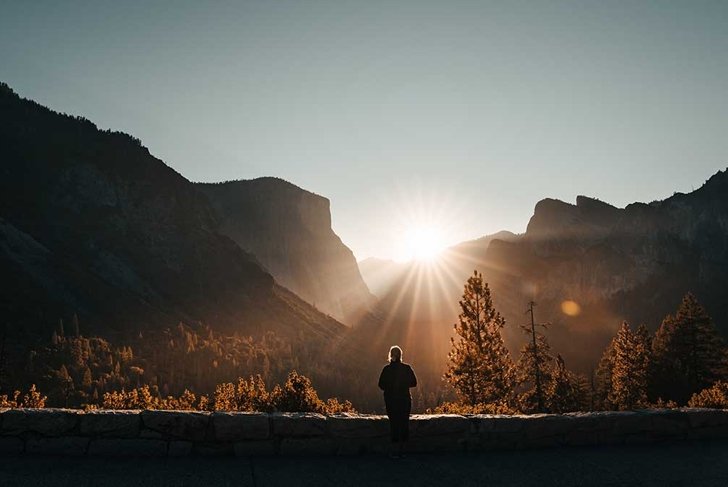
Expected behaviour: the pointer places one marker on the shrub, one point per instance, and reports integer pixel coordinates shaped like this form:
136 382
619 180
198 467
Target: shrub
146 398
297 394
715 396
246 395
31 399
480 408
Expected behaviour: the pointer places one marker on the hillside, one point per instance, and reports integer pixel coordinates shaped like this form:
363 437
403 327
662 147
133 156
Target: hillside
92 224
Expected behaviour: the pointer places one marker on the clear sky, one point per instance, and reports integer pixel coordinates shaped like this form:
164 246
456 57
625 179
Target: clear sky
455 114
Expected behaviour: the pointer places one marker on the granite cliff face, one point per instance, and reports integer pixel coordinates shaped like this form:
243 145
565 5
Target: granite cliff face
621 264
288 230
91 223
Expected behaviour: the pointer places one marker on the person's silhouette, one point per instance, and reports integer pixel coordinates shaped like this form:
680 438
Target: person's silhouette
395 380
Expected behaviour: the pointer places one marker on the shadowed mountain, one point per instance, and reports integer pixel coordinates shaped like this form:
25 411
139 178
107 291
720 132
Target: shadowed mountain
288 229
614 264
91 223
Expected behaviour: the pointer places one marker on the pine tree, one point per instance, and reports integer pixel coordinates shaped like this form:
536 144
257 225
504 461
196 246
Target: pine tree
480 367
564 393
87 379
534 367
604 373
688 353
630 368
65 384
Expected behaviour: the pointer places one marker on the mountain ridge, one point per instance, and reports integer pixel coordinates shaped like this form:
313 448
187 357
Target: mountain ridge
93 224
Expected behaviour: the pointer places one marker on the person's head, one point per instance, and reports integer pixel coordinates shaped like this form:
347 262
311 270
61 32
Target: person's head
395 354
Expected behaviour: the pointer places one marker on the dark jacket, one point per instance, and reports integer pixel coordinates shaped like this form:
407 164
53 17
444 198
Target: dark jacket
395 380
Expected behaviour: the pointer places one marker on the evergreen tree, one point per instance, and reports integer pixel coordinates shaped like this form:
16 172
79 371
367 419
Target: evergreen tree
87 379
65 384
565 391
480 367
688 353
534 364
630 368
603 382
533 369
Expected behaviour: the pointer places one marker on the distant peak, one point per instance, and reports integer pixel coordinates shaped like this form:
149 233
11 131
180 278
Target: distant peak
588 202
271 183
6 89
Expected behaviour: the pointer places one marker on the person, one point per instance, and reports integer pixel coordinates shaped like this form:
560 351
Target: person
396 380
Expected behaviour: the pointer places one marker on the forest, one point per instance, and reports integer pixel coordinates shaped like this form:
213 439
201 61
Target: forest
685 362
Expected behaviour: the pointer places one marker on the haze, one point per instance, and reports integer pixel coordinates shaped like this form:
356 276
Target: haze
459 115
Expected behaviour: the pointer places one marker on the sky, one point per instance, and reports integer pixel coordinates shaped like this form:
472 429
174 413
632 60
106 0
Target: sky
449 118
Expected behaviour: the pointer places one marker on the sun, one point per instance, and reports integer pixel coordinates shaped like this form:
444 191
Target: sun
423 243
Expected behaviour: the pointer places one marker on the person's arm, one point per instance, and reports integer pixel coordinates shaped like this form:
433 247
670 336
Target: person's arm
382 379
413 378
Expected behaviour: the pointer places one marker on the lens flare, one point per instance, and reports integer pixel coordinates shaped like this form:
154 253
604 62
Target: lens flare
570 308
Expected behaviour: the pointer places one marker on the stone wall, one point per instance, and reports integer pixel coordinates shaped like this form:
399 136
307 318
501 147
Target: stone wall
175 433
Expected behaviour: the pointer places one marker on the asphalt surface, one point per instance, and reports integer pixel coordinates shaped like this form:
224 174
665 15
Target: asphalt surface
671 464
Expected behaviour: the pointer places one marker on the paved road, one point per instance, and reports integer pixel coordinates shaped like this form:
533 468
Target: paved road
675 464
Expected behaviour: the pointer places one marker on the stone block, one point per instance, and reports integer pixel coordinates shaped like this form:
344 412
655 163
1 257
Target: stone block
298 424
308 446
541 442
708 432
500 423
11 445
548 425
703 418
506 438
156 435
358 426
254 448
668 423
240 426
47 422
127 447
117 424
64 445
210 449
630 423
582 437
189 425
179 448
439 425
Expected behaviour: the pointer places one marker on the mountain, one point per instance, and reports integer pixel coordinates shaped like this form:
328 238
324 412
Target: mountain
288 229
92 224
588 266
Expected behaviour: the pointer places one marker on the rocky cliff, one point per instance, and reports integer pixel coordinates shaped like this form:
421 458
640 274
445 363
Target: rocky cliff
92 224
288 229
